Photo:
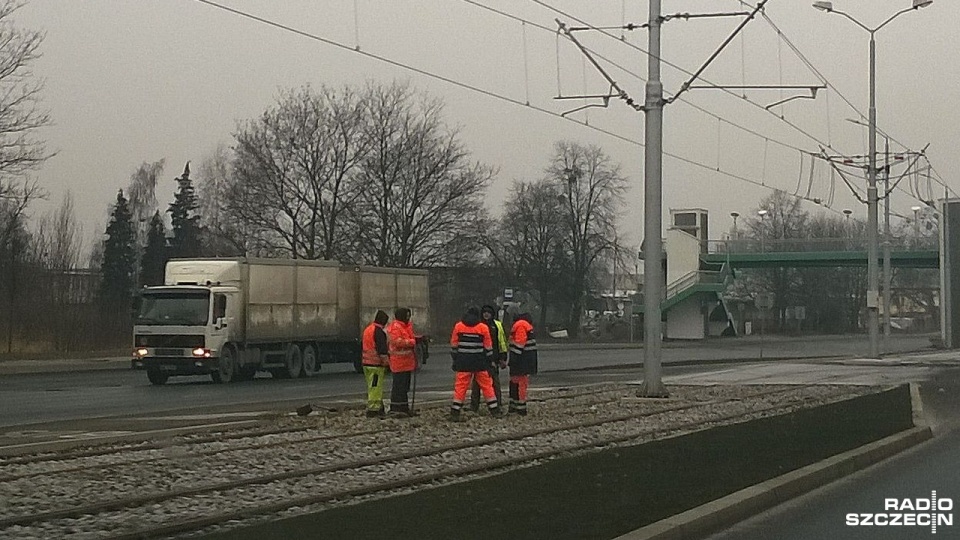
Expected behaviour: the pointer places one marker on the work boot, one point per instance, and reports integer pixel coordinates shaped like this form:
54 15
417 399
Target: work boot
376 413
496 412
400 411
455 416
521 408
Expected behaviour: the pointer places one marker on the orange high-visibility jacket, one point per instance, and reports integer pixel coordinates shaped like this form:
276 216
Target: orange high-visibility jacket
471 346
402 342
523 349
374 344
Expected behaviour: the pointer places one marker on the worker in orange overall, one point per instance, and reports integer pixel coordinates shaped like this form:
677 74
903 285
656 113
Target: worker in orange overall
471 348
403 361
523 362
375 360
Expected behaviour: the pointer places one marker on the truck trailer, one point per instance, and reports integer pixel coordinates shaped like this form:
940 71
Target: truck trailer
231 318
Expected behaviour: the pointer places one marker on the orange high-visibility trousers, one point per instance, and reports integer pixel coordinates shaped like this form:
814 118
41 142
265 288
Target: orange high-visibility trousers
462 383
522 382
518 393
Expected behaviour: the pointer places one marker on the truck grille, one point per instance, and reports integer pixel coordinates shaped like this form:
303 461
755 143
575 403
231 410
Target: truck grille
186 342
169 352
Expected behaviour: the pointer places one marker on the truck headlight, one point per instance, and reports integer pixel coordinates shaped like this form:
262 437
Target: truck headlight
201 352
141 352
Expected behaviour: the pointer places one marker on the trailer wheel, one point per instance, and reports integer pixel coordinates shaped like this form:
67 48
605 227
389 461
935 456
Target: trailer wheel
311 365
157 377
226 367
293 361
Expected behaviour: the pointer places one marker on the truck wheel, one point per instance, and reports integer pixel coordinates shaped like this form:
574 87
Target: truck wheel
293 361
226 368
157 377
311 365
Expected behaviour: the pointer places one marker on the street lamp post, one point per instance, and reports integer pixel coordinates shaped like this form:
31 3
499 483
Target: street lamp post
763 216
873 281
736 233
916 225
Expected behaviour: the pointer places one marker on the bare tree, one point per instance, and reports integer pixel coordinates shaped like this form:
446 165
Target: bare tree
293 168
532 240
55 308
21 117
422 198
592 188
15 198
223 234
57 240
20 112
143 196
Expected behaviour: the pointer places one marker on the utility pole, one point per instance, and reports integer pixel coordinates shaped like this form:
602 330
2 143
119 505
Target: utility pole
873 278
872 282
652 108
652 213
887 276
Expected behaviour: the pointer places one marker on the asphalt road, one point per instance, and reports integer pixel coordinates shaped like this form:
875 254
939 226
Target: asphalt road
934 465
48 397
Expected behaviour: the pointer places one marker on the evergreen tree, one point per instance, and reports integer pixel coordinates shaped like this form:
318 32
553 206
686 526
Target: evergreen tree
154 259
119 258
185 221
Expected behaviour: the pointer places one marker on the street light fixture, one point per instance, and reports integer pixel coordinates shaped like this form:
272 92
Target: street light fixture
736 234
873 278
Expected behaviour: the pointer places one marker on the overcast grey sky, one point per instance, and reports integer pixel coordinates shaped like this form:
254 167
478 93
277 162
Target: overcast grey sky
133 81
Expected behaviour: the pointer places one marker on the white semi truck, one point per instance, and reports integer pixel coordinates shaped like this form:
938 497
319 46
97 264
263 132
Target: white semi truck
231 318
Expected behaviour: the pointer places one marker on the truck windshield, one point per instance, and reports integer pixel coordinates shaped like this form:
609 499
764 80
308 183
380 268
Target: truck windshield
175 308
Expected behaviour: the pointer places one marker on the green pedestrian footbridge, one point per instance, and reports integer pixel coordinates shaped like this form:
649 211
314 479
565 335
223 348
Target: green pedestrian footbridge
816 252
694 299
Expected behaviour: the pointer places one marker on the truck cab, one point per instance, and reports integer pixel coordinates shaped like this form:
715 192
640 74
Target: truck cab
182 327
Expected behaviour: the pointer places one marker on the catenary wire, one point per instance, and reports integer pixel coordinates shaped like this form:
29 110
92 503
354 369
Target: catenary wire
827 144
806 61
476 89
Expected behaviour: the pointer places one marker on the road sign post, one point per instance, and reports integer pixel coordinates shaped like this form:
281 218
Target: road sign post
764 303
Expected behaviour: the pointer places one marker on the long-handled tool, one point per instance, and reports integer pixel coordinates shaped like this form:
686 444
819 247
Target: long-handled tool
413 396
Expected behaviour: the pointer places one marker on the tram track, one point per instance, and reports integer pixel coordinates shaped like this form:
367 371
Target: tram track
437 459
127 453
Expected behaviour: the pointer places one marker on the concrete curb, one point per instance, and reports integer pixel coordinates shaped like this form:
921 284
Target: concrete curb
706 519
